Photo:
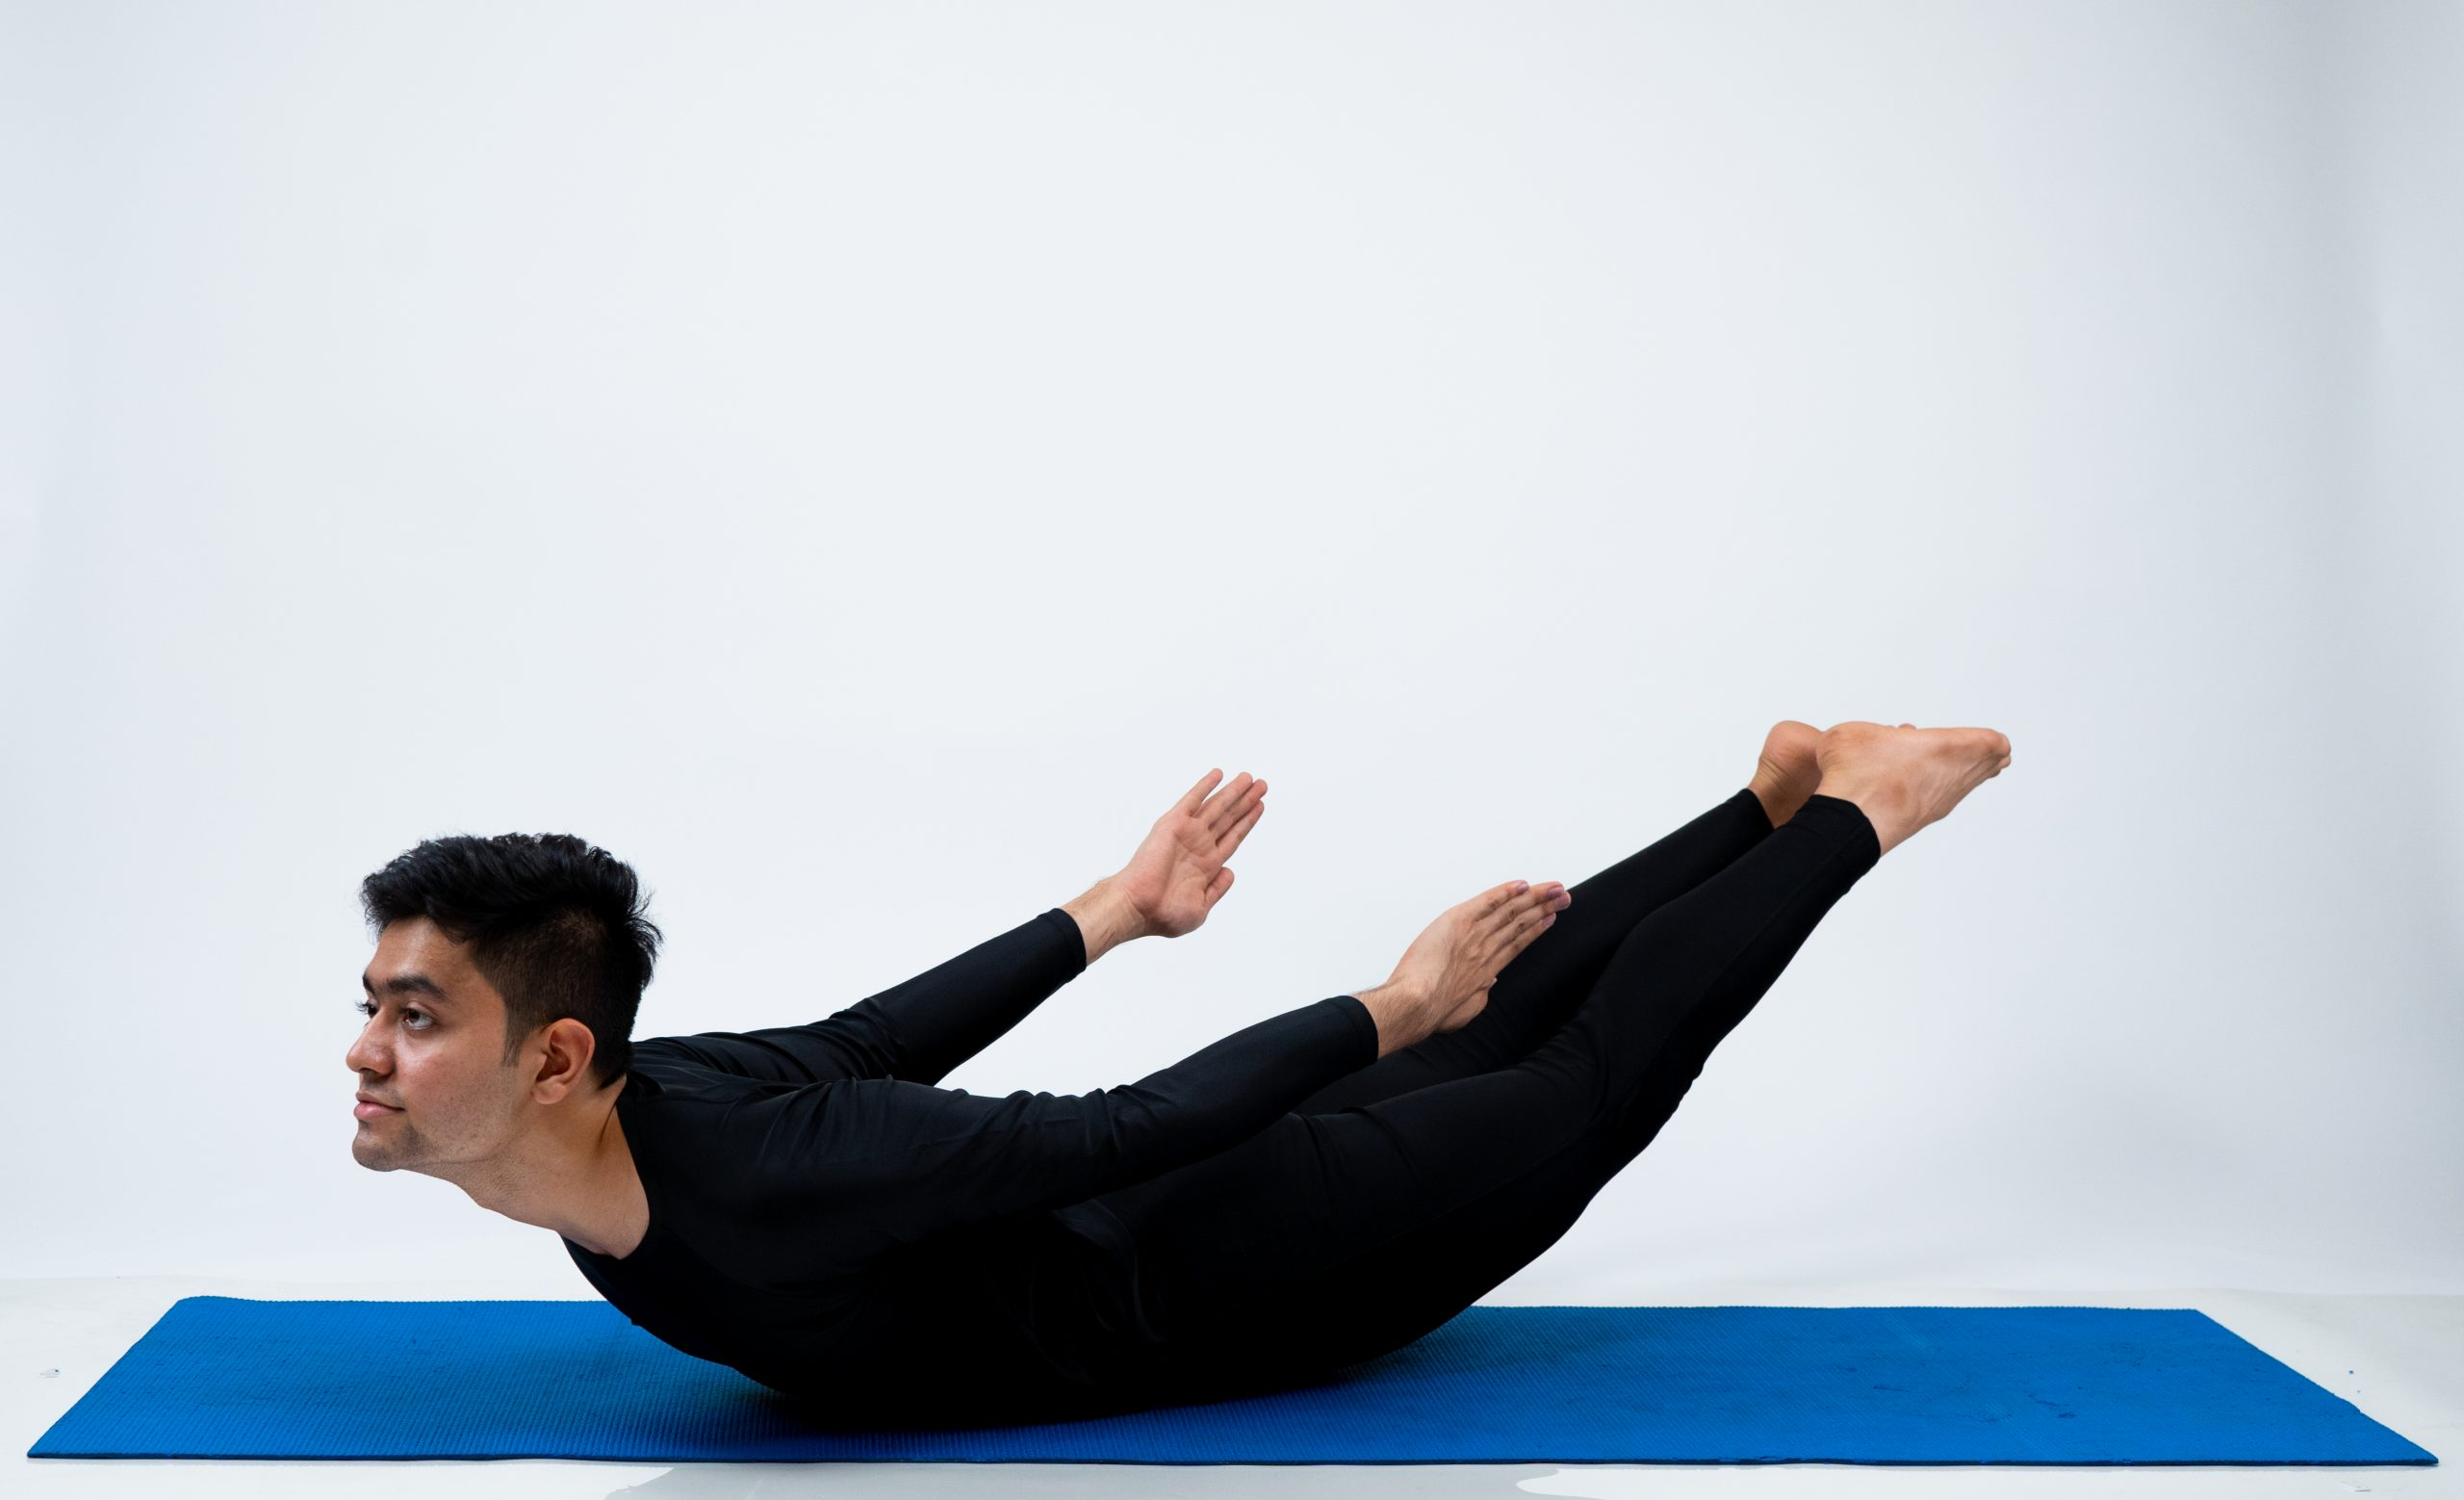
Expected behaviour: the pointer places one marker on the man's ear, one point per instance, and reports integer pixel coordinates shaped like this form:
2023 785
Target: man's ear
566 1047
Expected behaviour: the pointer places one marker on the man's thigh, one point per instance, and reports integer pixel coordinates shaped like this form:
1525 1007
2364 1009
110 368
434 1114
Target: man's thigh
1279 1326
1313 1191
1273 1331
1539 990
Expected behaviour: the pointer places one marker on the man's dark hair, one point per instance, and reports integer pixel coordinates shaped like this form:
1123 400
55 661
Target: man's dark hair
554 922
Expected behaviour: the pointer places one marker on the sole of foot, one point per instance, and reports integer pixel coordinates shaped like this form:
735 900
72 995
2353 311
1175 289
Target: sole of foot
1903 778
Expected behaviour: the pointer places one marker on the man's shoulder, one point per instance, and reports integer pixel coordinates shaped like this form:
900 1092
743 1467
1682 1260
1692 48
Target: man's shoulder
681 1069
688 1056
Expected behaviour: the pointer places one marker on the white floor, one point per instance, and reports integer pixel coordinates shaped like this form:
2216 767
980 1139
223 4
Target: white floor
2399 1358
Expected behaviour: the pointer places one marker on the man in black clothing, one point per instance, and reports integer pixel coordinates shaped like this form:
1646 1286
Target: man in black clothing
803 1205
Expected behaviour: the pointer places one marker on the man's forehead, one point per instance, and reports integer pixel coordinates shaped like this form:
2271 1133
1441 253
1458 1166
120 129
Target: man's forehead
414 956
402 982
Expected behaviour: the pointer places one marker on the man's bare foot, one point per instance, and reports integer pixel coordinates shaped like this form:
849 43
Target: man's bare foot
1787 773
1905 778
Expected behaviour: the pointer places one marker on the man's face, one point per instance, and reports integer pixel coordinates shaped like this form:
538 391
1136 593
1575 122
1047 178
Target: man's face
433 1048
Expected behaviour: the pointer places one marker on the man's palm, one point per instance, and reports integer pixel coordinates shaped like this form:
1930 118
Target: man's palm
1178 874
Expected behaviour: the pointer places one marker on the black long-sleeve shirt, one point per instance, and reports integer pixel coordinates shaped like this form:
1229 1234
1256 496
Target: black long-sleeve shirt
826 1221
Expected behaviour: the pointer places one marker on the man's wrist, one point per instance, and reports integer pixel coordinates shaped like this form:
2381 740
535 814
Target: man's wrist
1106 919
1395 1010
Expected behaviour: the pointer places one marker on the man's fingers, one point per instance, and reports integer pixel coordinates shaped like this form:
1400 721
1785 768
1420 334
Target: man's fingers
1516 926
1230 802
1506 904
1190 799
1240 829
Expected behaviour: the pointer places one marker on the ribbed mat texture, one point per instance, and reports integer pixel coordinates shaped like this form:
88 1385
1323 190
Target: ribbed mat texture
235 1377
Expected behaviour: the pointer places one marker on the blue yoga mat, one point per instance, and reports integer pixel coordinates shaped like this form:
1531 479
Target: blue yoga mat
233 1377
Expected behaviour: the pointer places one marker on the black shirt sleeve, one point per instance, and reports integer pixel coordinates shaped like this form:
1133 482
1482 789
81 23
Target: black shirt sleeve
845 1171
917 1030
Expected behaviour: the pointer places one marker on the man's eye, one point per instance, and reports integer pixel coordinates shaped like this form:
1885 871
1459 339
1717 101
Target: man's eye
369 1008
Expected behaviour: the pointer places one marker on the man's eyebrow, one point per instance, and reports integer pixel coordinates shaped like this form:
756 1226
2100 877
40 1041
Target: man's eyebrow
408 984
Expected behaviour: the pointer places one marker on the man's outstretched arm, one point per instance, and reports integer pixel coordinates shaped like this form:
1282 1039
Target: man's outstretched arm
921 1030
850 1170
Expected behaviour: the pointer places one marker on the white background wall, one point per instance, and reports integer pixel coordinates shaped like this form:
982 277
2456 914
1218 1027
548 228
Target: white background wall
861 463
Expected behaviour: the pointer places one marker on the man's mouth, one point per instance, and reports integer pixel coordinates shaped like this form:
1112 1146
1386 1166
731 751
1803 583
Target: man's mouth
366 1109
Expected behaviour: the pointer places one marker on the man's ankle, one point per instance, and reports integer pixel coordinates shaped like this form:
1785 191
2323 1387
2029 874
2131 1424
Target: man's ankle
1779 805
1885 805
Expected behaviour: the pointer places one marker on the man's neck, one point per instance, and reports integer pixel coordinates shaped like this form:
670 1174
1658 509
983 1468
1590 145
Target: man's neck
576 1177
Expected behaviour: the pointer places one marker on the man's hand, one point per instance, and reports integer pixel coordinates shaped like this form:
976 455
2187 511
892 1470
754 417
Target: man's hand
1178 874
1443 982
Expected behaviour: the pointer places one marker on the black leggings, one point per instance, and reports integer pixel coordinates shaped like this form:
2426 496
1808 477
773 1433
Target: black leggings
1388 1202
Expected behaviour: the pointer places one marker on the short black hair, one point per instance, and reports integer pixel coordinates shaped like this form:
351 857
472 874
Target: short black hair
555 923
